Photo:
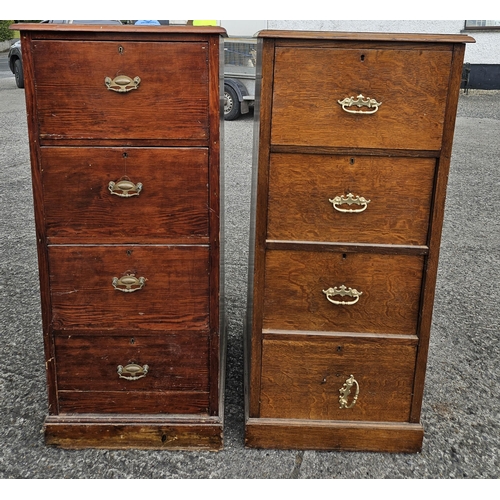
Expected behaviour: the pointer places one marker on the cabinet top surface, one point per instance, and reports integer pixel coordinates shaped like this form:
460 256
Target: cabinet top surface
366 36
111 28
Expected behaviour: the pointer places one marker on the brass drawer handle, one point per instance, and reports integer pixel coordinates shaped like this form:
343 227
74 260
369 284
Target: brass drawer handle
345 392
350 199
124 188
132 371
128 283
343 291
360 101
122 83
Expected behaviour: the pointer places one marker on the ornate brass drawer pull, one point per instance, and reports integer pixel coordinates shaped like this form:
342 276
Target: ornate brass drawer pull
360 101
345 392
132 371
350 199
124 188
122 83
128 283
343 291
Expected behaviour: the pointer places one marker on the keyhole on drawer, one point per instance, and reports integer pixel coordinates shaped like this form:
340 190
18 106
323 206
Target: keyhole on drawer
120 50
125 155
163 438
132 340
352 161
129 252
362 58
344 256
339 348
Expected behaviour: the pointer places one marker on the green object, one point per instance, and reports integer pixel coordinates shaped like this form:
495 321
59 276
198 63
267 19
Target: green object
5 32
204 23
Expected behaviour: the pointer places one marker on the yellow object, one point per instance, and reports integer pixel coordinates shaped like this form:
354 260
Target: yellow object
204 23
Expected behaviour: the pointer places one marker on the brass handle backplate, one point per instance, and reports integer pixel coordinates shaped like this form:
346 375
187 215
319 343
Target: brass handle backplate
345 392
132 371
124 188
343 291
360 101
350 199
122 83
128 283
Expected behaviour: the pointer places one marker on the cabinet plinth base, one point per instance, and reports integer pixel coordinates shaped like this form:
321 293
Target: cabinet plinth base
327 435
125 432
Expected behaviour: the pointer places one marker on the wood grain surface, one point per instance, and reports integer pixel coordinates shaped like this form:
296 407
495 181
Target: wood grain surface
411 85
171 207
295 434
177 361
120 432
164 134
294 299
399 191
310 149
289 37
175 295
301 379
177 380
171 101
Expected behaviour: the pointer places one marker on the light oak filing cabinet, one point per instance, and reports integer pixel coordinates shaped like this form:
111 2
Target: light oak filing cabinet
353 144
125 136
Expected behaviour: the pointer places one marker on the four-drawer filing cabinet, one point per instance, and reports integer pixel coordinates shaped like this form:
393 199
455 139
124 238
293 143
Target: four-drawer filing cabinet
125 137
353 138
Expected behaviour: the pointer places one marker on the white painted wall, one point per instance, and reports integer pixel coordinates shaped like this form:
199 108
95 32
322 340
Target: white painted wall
486 50
380 26
243 28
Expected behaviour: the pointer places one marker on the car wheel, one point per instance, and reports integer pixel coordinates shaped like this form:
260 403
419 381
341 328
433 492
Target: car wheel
231 104
18 73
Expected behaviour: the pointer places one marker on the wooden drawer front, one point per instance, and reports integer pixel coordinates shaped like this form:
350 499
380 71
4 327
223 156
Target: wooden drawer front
175 294
295 281
88 379
171 101
398 193
171 206
411 85
301 379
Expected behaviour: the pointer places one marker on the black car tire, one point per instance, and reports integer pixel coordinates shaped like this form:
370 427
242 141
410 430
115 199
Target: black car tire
231 104
18 73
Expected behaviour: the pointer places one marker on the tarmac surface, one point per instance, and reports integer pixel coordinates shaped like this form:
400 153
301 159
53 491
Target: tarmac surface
461 401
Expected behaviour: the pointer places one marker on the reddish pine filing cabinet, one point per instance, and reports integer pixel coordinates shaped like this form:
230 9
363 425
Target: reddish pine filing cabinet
352 152
125 137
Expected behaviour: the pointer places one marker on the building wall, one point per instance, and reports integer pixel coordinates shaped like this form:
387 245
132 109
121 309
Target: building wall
243 28
486 50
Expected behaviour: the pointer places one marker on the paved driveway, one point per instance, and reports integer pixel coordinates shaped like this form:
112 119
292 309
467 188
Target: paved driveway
461 402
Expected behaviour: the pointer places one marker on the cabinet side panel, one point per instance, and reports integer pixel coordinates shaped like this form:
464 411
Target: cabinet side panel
36 178
438 206
260 181
216 201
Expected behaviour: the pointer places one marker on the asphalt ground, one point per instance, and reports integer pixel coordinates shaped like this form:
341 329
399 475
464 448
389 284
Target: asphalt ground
461 401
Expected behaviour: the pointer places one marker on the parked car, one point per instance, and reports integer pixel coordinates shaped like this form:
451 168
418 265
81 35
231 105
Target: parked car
16 63
15 57
239 76
82 22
